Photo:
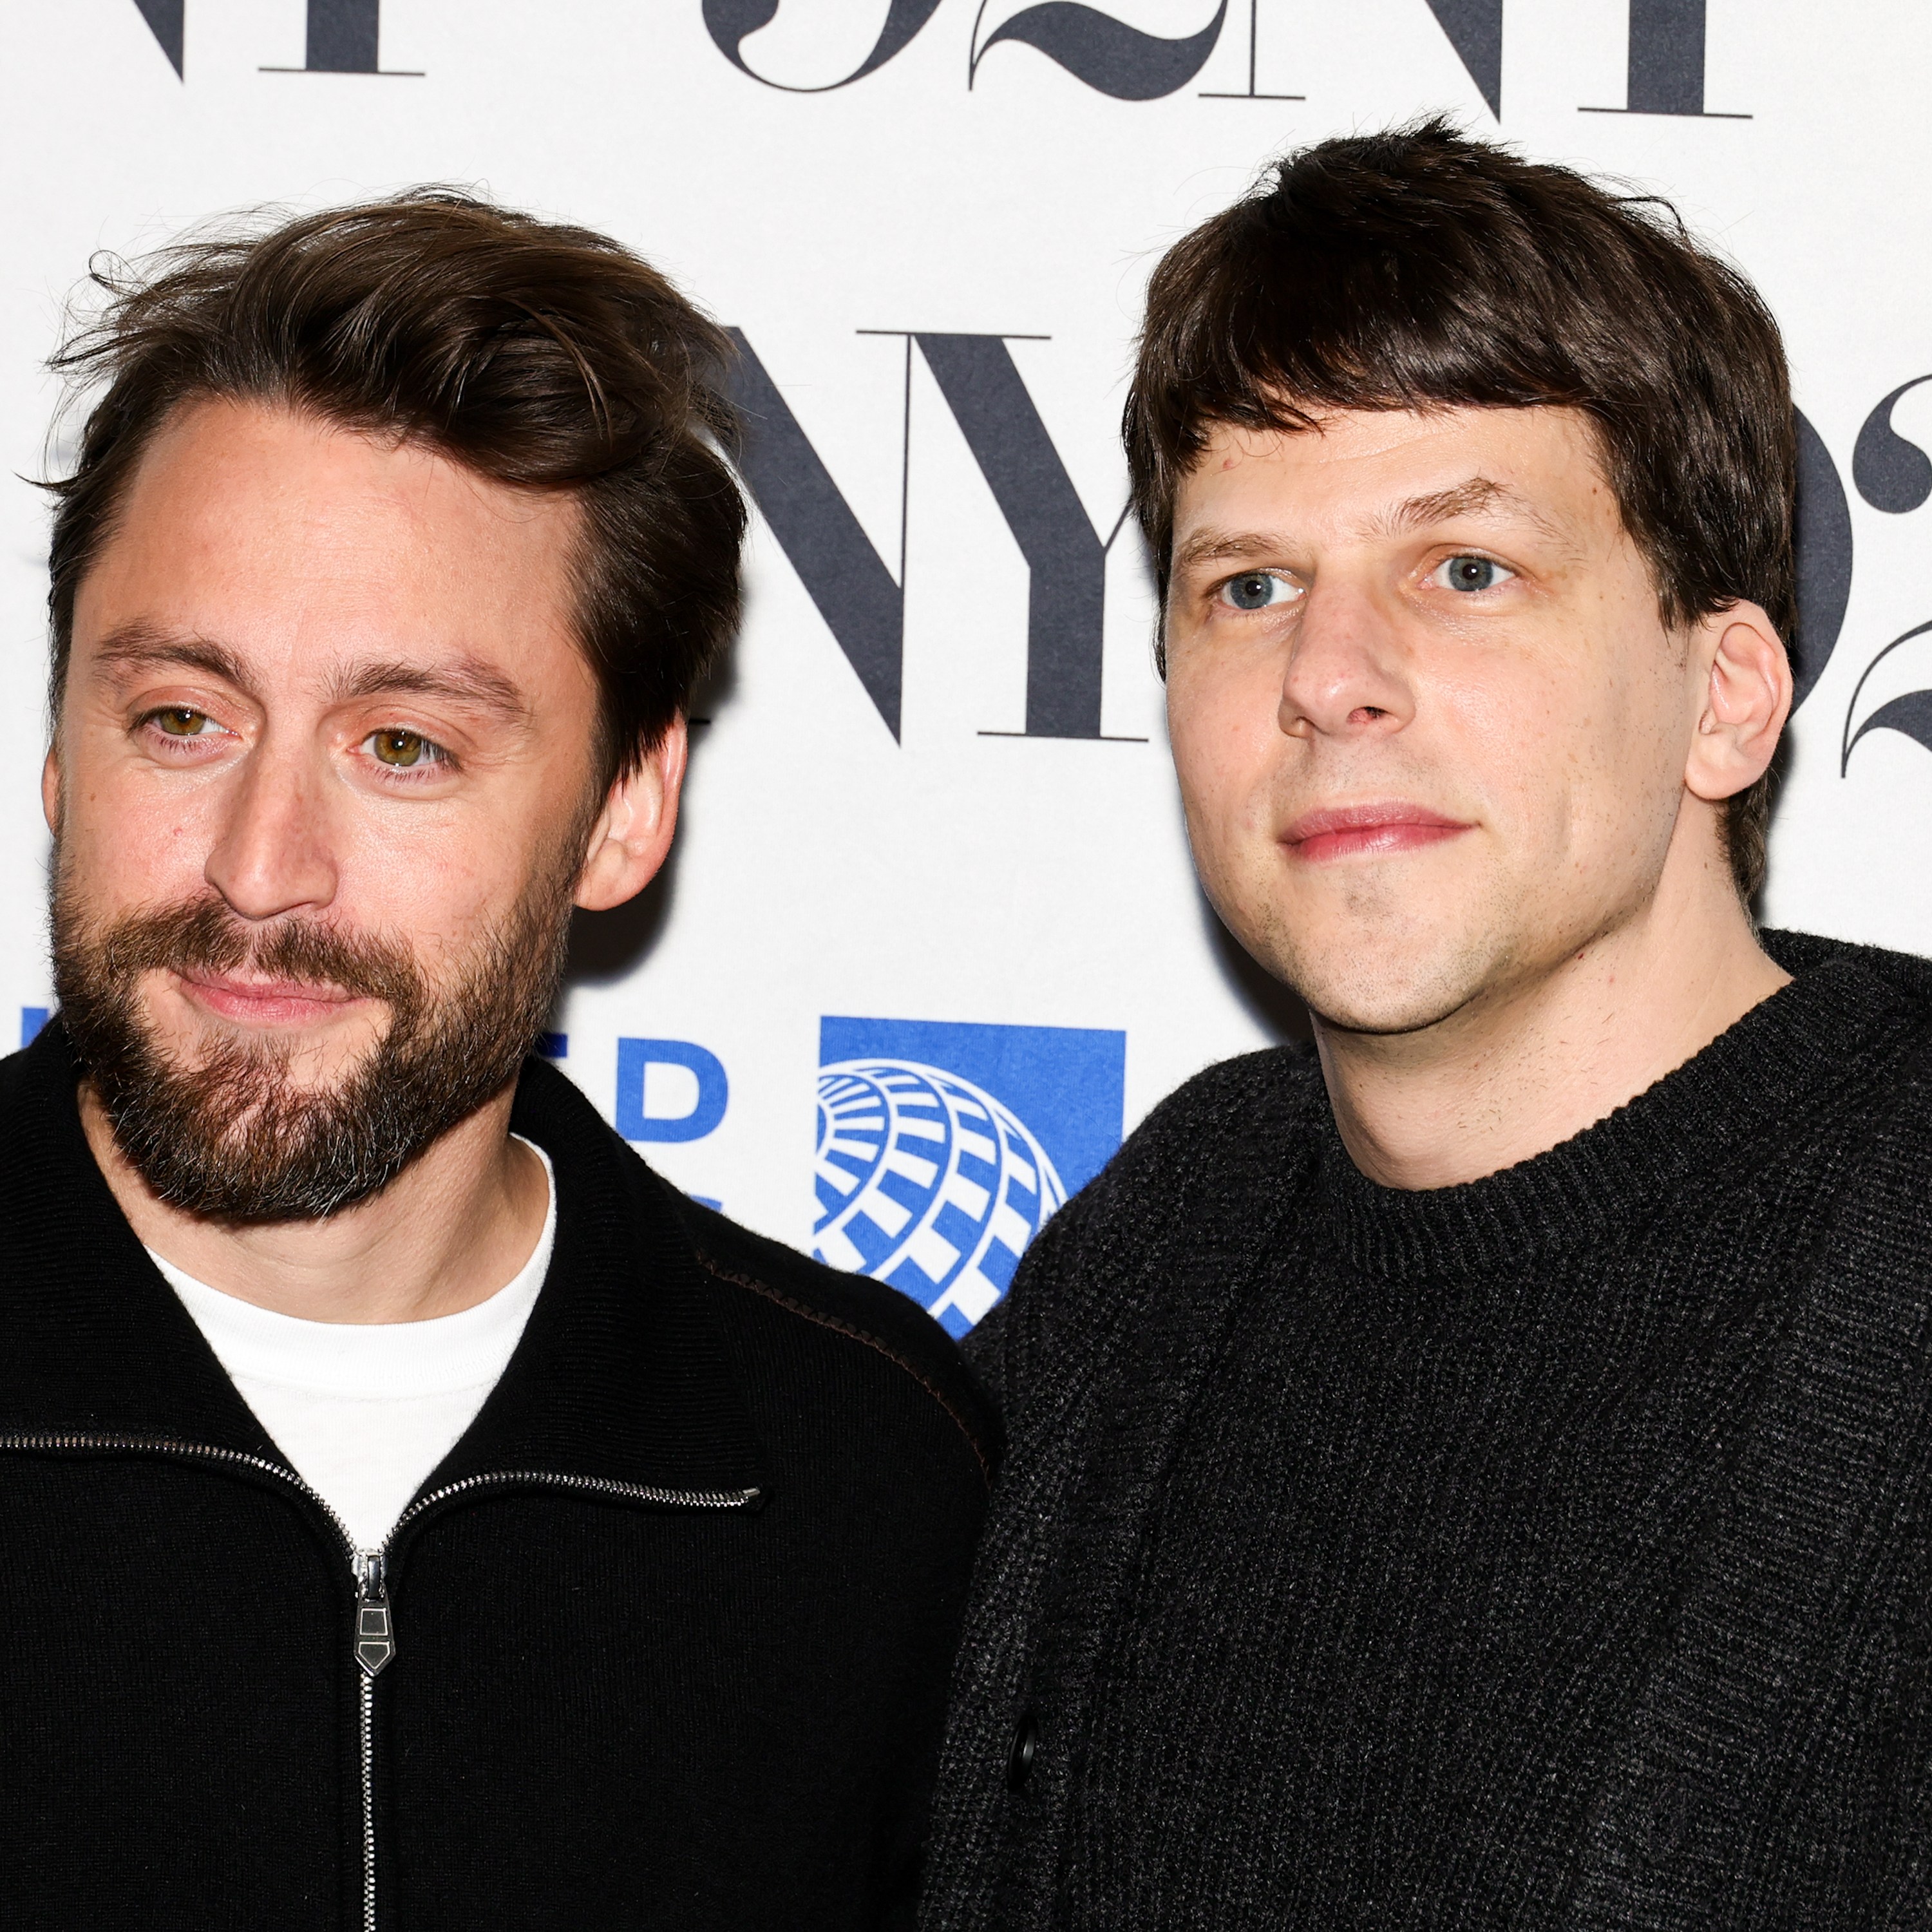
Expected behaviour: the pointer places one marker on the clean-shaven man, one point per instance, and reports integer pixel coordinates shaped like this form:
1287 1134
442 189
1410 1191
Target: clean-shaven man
1475 1474
416 1514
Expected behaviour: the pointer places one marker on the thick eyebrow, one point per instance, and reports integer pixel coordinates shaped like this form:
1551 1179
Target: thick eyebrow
468 682
1213 546
1478 495
139 647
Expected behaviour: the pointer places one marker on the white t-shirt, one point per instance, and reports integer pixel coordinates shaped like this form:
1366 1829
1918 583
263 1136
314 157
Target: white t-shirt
364 1410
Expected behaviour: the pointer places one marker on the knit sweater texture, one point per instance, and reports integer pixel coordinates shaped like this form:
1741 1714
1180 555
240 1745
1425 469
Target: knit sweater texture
1548 1551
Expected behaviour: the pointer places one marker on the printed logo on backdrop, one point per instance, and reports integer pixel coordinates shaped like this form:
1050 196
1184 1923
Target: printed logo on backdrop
668 1091
1106 53
1894 692
338 37
1664 72
943 1148
862 600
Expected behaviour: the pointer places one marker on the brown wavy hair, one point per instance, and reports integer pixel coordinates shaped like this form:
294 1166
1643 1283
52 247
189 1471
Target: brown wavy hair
1417 269
547 357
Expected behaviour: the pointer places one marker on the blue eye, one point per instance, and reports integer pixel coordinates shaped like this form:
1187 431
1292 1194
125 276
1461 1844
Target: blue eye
1255 590
1473 573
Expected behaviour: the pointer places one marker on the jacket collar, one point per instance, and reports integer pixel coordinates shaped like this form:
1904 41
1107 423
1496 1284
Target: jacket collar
621 1374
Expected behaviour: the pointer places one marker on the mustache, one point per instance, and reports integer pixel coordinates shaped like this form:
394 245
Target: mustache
203 935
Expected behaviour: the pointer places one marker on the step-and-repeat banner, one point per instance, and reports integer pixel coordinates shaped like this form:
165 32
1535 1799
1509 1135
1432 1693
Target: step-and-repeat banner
930 943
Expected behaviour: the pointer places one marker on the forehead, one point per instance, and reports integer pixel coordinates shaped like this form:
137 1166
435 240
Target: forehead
1355 470
273 533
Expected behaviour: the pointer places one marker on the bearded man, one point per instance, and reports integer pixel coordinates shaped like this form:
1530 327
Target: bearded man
417 1514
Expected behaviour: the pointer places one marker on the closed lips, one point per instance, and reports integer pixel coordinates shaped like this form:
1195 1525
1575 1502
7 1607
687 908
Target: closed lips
1382 828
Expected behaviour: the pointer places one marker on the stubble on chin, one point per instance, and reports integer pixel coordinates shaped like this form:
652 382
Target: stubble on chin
1368 958
231 1132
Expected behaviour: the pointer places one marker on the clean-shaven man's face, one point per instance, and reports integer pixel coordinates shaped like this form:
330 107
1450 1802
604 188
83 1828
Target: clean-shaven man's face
322 781
1430 727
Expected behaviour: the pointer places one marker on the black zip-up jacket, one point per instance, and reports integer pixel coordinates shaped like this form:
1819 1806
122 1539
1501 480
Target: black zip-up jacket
663 1641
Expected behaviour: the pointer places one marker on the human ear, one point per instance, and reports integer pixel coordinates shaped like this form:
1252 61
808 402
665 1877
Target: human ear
632 834
50 789
1746 700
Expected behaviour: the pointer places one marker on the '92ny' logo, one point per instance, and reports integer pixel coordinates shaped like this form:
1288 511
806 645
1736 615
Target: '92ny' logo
1665 75
1665 72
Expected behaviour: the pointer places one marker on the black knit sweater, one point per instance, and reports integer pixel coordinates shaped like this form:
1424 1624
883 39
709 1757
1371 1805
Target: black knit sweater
1548 1551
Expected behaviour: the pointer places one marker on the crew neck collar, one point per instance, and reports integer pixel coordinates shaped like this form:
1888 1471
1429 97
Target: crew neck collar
1772 1068
439 1355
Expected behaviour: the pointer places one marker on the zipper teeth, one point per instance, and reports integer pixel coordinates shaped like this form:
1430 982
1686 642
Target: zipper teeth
160 1445
649 1492
163 1445
708 1499
367 1690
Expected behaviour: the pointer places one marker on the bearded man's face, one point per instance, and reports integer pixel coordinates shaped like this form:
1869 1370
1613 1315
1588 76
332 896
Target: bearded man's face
232 1131
325 785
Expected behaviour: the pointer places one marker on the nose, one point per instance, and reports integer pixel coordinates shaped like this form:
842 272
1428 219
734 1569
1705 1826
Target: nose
272 853
1346 674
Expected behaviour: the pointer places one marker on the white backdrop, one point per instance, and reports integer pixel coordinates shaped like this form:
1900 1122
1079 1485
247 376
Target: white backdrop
938 515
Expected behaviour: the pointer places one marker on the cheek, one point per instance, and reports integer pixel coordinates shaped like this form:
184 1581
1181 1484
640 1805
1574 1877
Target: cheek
1513 735
1224 732
122 848
420 872
1561 752
1624 735
435 881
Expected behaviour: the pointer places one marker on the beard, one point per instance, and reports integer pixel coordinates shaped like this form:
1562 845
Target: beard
233 1136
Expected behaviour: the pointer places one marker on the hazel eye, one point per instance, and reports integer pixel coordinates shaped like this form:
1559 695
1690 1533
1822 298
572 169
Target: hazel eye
1467 574
180 720
403 750
1256 590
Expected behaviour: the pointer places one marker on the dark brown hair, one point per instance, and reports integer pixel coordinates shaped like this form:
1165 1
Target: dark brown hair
546 357
1419 269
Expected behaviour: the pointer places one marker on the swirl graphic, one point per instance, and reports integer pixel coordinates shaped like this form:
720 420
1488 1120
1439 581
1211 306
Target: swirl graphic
928 1182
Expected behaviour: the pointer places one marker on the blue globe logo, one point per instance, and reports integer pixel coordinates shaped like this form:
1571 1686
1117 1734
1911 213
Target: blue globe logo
927 1181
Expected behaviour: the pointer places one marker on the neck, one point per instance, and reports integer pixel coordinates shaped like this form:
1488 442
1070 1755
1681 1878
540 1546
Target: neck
453 1228
1524 1065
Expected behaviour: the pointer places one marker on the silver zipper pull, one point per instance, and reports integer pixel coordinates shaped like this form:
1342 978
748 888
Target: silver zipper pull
374 1643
